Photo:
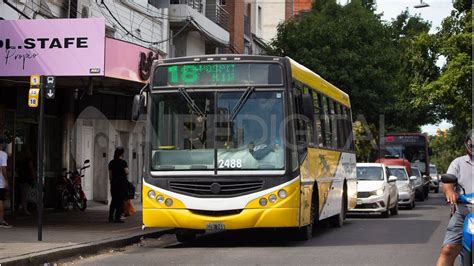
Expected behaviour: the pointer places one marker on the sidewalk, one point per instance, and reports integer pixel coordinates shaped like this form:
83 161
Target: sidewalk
66 234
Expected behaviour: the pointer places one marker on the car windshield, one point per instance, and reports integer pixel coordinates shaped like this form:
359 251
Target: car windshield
235 130
400 173
433 170
369 173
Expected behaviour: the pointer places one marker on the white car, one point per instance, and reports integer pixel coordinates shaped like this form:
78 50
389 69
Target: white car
376 190
434 176
406 186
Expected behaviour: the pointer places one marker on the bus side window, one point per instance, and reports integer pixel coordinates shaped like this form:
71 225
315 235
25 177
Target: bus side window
349 129
308 125
335 137
318 120
339 125
301 133
342 127
328 122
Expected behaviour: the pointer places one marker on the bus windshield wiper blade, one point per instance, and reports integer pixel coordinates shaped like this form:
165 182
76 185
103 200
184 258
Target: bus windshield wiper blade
243 99
190 101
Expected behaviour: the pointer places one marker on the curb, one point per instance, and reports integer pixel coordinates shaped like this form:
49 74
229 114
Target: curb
90 248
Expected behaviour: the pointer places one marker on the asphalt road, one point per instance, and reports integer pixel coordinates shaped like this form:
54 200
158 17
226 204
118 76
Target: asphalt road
411 238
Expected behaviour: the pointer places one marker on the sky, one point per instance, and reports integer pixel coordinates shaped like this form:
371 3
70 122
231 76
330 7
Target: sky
435 13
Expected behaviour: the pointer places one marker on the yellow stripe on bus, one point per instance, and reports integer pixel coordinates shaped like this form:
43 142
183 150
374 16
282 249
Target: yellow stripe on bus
308 77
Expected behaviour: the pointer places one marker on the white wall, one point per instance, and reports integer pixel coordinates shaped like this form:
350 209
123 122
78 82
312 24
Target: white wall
273 12
195 44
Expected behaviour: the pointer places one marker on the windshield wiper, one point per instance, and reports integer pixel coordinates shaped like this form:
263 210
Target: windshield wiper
243 99
191 102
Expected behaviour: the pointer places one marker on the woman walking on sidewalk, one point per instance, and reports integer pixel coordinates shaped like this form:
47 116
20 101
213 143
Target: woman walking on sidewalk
3 184
118 172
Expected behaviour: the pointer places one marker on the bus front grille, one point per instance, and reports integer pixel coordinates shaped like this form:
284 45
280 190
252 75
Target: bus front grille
361 195
220 188
216 213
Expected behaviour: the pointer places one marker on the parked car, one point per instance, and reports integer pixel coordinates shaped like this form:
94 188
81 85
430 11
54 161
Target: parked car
376 190
405 184
434 182
422 184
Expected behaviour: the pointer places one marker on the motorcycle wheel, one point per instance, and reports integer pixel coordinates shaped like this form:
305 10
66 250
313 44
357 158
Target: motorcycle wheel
64 200
81 204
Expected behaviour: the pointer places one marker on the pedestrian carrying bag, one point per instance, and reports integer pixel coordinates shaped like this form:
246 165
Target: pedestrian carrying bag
128 209
130 191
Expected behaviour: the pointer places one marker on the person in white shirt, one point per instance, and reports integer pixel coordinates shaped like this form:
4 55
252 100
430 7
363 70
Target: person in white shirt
463 168
3 184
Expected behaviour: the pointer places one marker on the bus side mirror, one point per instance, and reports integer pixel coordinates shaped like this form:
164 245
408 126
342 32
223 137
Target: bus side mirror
138 106
308 109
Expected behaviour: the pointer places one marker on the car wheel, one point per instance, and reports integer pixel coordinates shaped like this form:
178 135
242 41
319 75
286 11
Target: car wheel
436 190
385 214
394 210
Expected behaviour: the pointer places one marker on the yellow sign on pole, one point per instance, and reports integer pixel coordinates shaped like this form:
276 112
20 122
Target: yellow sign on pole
35 80
33 98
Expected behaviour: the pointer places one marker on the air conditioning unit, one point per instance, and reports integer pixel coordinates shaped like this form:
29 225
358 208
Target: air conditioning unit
85 12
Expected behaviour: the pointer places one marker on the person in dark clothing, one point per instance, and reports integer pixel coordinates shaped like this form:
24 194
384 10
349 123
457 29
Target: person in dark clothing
118 172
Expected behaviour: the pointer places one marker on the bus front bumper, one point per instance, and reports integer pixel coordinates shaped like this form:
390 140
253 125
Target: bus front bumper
247 218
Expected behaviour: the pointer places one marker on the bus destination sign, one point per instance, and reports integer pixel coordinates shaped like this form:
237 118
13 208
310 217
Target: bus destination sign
405 139
209 74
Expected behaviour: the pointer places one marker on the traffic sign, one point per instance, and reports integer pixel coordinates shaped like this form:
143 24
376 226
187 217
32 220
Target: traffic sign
50 86
33 97
35 80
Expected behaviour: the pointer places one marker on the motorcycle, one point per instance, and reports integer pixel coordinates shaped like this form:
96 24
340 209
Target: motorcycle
70 189
468 229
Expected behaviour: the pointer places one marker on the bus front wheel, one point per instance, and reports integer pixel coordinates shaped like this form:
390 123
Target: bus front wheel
184 236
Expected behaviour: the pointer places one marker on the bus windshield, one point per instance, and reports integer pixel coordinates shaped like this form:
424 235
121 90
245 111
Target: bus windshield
217 130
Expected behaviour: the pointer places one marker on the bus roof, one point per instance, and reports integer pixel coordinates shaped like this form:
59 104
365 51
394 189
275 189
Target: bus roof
219 58
308 77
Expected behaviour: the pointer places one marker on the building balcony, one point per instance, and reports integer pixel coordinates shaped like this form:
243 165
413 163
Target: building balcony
182 12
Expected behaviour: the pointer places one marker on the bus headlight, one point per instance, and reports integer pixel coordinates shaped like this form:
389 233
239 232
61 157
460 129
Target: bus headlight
263 201
272 198
282 193
168 202
151 194
160 199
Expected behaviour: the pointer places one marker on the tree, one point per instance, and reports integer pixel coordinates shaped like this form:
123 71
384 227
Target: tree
451 92
352 48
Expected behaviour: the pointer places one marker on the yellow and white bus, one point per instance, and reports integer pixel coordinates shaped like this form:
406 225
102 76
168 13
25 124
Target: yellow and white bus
242 141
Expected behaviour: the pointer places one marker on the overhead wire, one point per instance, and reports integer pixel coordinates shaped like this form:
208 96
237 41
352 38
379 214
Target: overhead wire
139 38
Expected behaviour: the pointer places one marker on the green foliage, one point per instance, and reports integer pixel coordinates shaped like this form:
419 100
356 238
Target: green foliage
451 92
445 149
350 47
370 60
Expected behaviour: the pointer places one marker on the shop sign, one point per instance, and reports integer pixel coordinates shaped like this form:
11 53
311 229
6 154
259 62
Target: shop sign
59 47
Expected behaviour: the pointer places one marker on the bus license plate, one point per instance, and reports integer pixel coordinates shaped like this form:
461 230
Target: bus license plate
216 226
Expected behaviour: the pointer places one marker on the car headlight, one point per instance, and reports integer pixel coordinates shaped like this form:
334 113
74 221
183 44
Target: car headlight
378 192
470 225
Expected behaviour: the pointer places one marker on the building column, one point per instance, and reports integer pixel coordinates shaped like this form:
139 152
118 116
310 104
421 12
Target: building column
236 10
67 127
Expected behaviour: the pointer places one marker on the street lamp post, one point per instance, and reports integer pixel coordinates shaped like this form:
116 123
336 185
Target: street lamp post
422 4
